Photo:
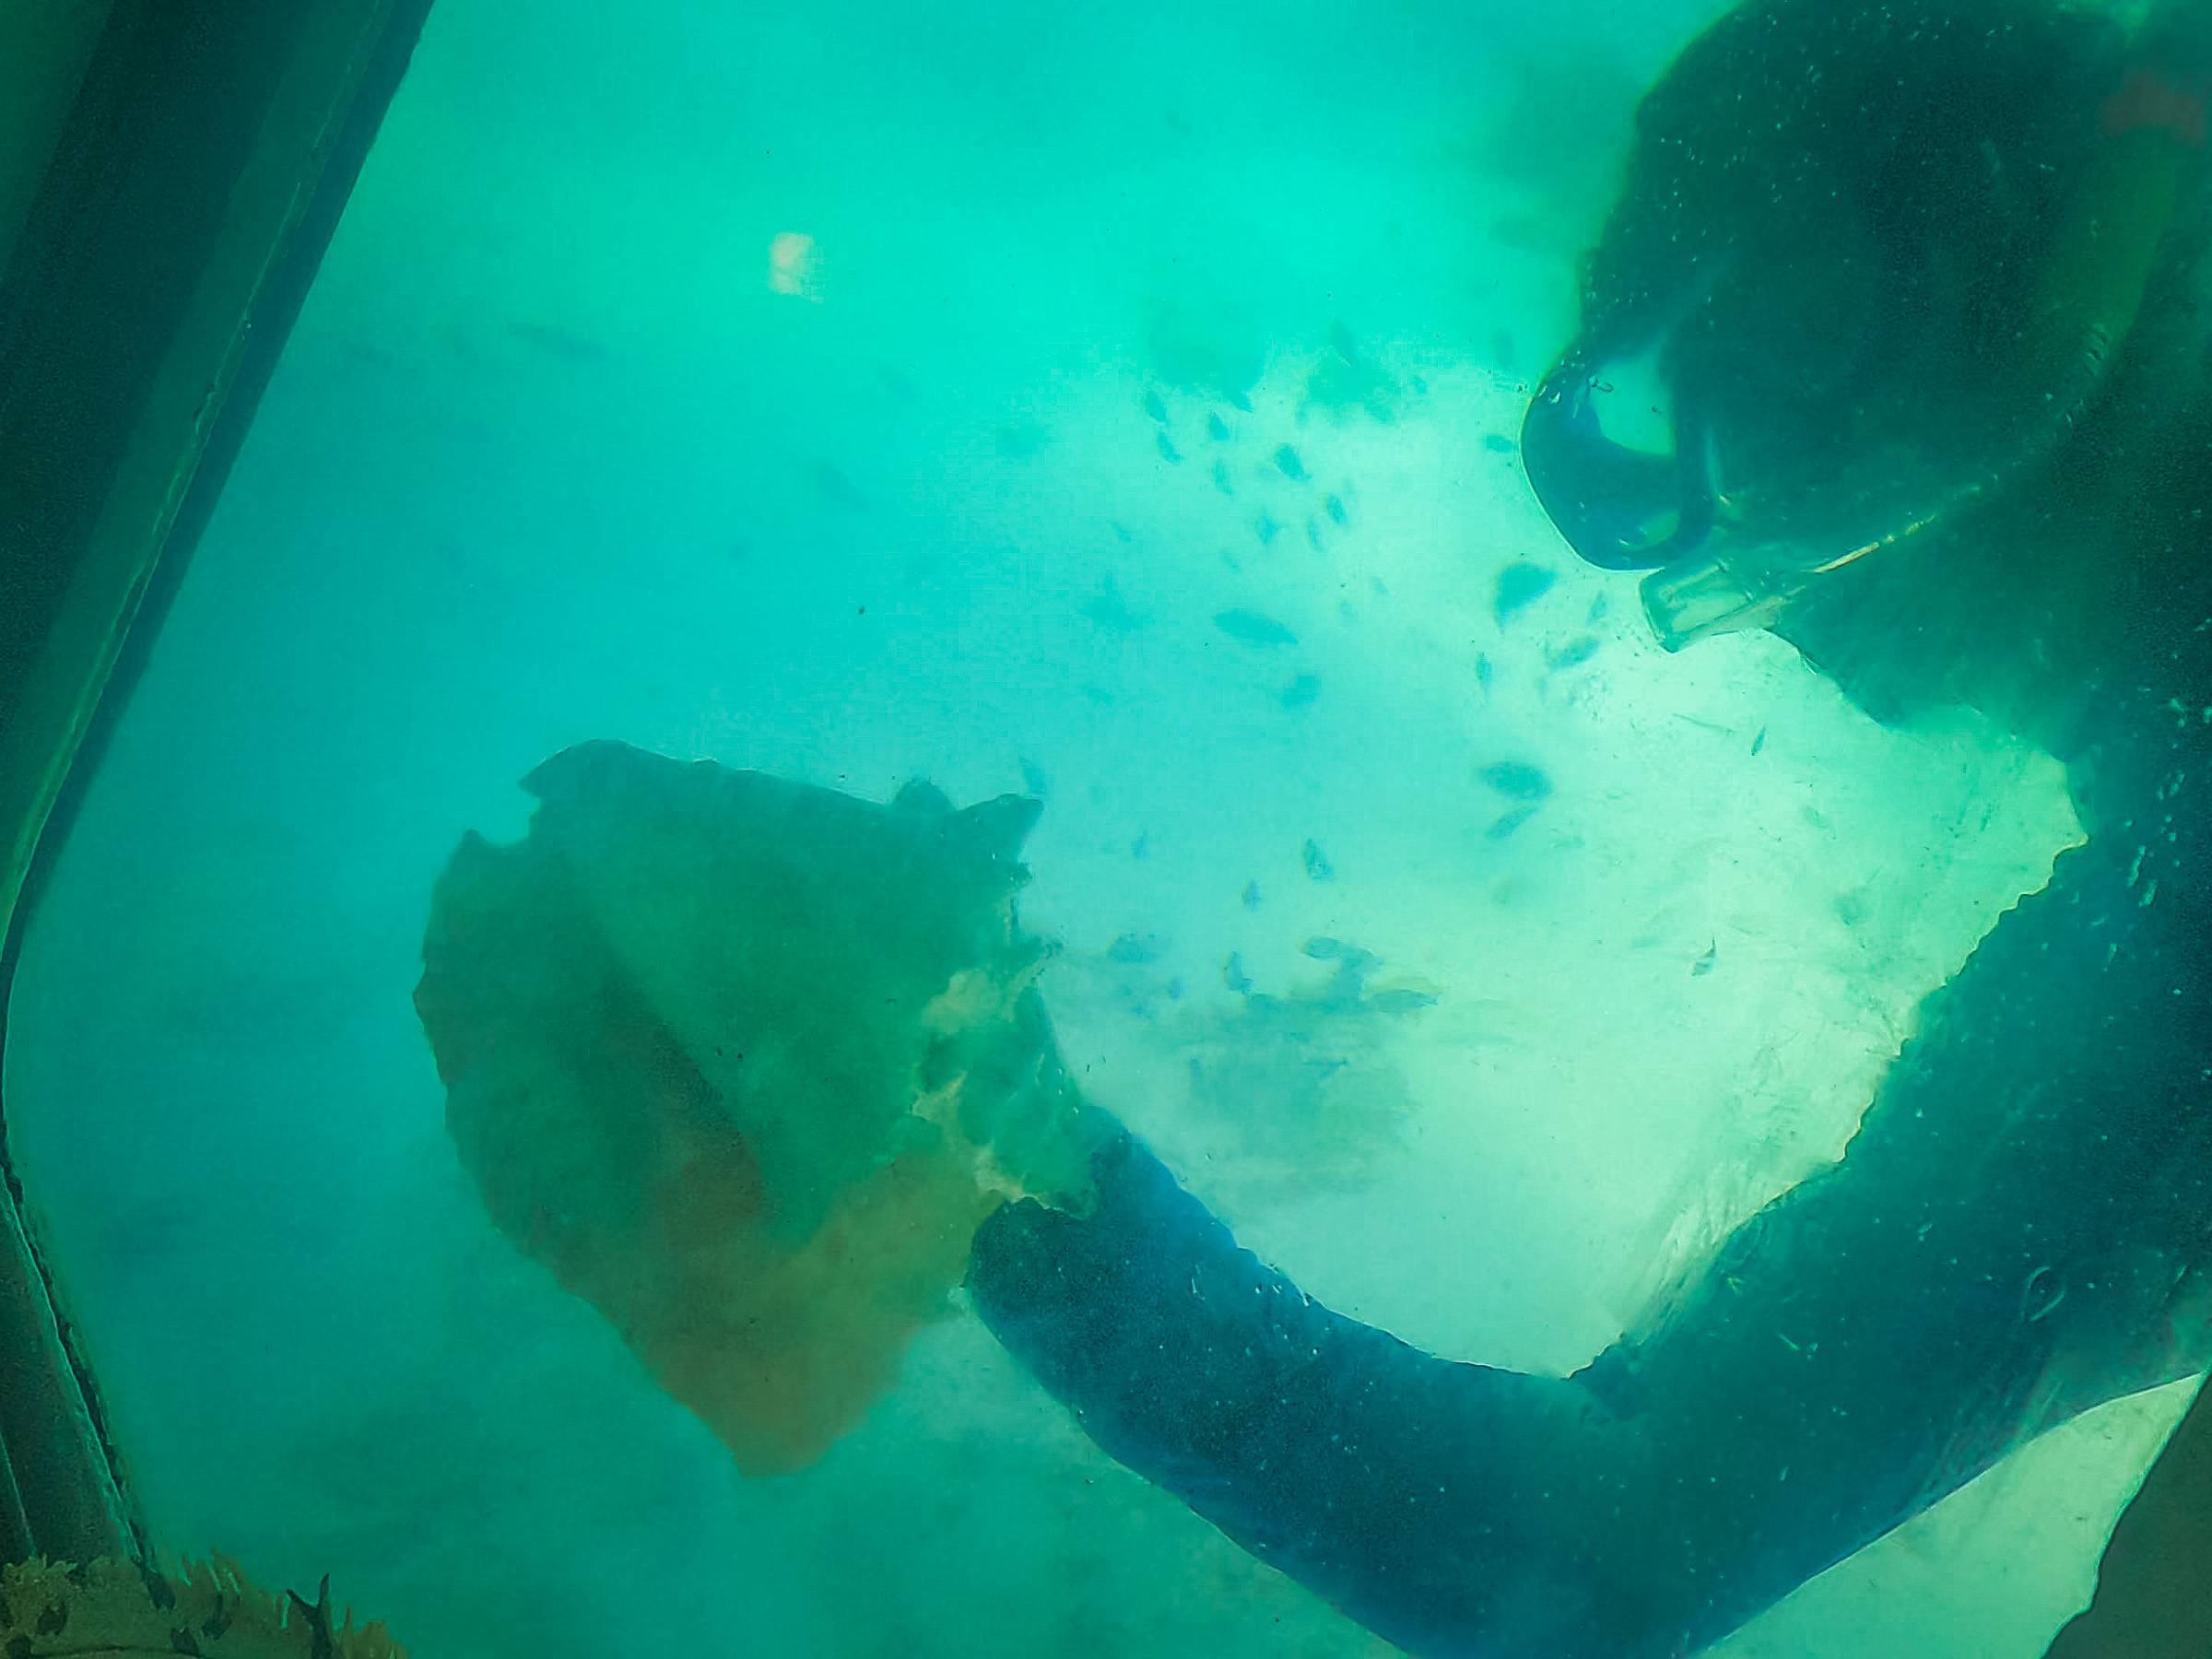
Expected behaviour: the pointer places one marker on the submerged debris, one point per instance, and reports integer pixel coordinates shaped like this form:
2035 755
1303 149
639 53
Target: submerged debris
1307 1082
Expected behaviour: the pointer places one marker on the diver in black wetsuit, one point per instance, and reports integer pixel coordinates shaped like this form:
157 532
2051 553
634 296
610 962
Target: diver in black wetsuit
1925 282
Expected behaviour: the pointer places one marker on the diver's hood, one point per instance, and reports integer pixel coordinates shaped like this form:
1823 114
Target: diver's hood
1831 381
1833 310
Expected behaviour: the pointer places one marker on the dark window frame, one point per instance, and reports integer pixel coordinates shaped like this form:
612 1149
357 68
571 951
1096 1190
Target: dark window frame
206 157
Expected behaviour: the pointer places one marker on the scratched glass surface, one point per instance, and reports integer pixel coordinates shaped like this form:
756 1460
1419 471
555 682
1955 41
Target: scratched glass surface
1118 408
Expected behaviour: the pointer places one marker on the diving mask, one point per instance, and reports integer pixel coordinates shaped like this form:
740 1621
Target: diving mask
1719 564
1627 508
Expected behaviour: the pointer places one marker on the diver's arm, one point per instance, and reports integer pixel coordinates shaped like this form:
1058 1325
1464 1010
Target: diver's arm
2013 1237
1998 1251
1423 1497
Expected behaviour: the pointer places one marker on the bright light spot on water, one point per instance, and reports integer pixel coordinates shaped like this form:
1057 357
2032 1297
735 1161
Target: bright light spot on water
792 266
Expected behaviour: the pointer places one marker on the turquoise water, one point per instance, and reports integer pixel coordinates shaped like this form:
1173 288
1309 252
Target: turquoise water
1093 406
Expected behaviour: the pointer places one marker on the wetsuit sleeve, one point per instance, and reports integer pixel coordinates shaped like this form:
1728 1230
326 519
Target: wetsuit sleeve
1369 1471
2010 1241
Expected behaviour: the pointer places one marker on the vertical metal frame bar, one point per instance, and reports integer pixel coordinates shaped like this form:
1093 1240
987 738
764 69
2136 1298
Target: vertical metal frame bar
206 163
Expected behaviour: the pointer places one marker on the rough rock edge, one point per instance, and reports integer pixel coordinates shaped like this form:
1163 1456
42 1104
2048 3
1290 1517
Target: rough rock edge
51 1609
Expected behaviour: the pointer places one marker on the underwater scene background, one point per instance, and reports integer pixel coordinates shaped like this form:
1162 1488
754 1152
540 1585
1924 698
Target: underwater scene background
1117 409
